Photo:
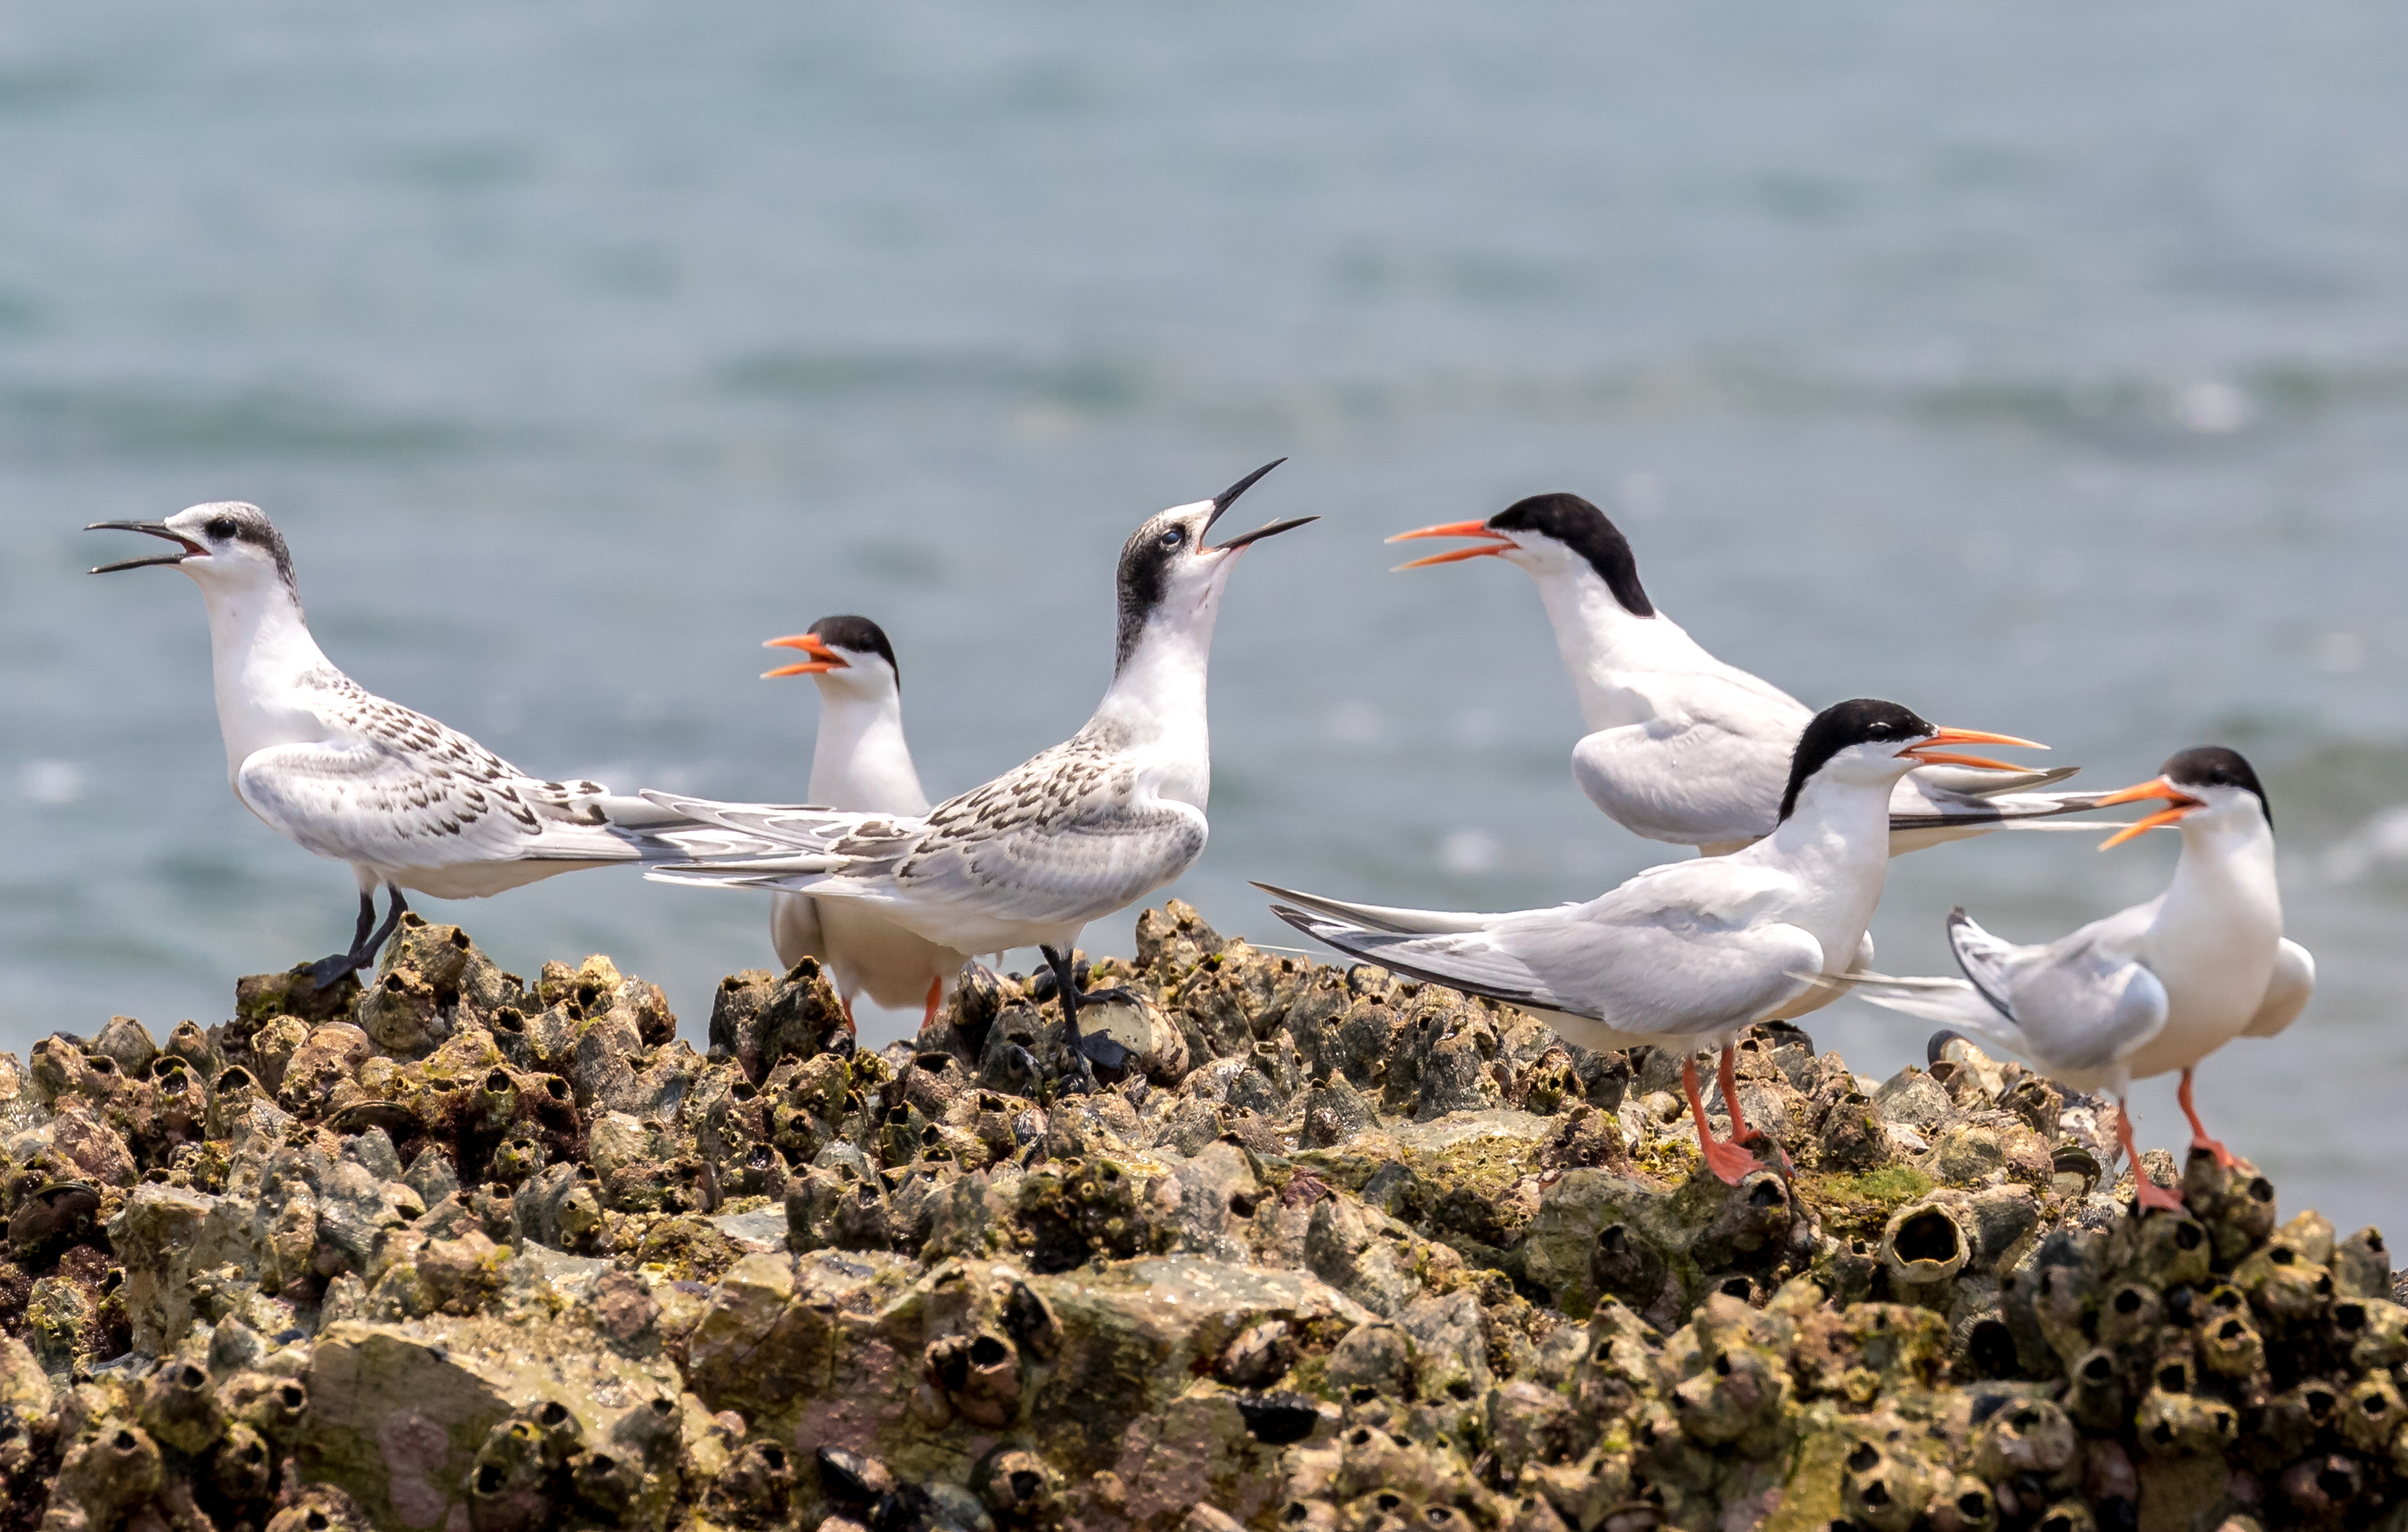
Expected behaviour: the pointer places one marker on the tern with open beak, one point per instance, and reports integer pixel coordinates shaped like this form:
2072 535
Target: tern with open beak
1690 955
1682 747
2151 989
1071 836
860 764
405 801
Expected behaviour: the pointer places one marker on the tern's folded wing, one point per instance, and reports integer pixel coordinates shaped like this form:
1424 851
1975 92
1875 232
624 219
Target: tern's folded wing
1666 972
363 802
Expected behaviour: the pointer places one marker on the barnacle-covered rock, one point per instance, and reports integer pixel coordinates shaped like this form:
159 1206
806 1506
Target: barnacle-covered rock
1328 1248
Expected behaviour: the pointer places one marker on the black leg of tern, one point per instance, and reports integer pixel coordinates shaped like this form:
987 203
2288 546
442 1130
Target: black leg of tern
1066 984
392 923
327 969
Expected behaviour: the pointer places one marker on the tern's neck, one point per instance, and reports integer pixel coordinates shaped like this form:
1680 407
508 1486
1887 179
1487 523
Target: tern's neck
1836 841
1603 642
1156 703
260 649
861 762
2224 886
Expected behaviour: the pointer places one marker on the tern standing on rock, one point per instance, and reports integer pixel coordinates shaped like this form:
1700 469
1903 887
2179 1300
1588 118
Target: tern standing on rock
405 801
1689 954
2151 989
860 764
1685 748
1083 829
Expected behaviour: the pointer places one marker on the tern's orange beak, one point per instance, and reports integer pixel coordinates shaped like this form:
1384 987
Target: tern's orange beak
1926 754
2156 787
823 659
1492 543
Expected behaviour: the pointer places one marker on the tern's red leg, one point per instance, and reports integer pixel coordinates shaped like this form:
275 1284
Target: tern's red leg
1727 1160
2198 1138
936 993
2146 1192
849 1025
1726 1077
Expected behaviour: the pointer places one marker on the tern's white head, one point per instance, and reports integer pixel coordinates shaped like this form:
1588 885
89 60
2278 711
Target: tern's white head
1170 576
1872 744
229 548
1548 535
849 660
2209 790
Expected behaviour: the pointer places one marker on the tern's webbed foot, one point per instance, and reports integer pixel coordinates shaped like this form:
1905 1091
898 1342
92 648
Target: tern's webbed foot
1728 1161
1780 1157
2148 1196
330 970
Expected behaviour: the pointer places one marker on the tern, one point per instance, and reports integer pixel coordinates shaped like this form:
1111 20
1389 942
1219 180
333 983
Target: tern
1683 746
861 764
2147 990
1689 954
1082 830
402 799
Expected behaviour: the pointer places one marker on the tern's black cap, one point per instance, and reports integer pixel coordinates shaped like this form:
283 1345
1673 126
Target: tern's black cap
861 635
1588 531
2213 765
1857 722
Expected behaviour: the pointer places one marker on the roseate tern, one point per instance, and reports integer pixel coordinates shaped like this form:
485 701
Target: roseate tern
1683 746
1689 954
2147 990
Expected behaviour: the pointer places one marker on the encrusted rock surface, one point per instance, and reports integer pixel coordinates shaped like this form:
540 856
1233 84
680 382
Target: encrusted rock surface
1328 1251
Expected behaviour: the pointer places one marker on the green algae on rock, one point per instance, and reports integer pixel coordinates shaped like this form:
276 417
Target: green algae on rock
1330 1249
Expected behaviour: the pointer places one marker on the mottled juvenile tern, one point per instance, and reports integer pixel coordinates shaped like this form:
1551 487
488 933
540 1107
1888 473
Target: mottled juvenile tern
1083 829
1683 746
2147 990
1689 954
405 801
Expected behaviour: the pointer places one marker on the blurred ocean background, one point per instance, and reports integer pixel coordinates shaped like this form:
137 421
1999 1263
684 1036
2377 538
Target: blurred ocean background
2042 367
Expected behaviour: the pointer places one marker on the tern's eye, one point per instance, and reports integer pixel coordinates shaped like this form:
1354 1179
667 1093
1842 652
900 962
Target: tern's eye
1173 537
221 530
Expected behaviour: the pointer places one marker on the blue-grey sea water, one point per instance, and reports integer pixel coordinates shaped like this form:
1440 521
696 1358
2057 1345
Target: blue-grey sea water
2042 367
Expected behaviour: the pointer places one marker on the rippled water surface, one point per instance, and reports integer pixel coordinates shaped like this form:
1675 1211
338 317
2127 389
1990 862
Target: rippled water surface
2044 367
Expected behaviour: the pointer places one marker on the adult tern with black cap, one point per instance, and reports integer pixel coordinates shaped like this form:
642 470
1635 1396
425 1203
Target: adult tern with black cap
860 763
2151 989
405 801
1082 830
1683 746
1689 954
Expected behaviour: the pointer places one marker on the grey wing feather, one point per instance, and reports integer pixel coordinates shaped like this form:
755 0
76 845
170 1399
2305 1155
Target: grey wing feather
1644 959
360 802
1383 917
1066 835
1471 971
2081 1003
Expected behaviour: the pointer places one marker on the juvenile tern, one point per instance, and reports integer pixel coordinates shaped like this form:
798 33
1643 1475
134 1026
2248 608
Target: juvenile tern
1689 954
1683 746
861 764
405 801
1088 827
2147 990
